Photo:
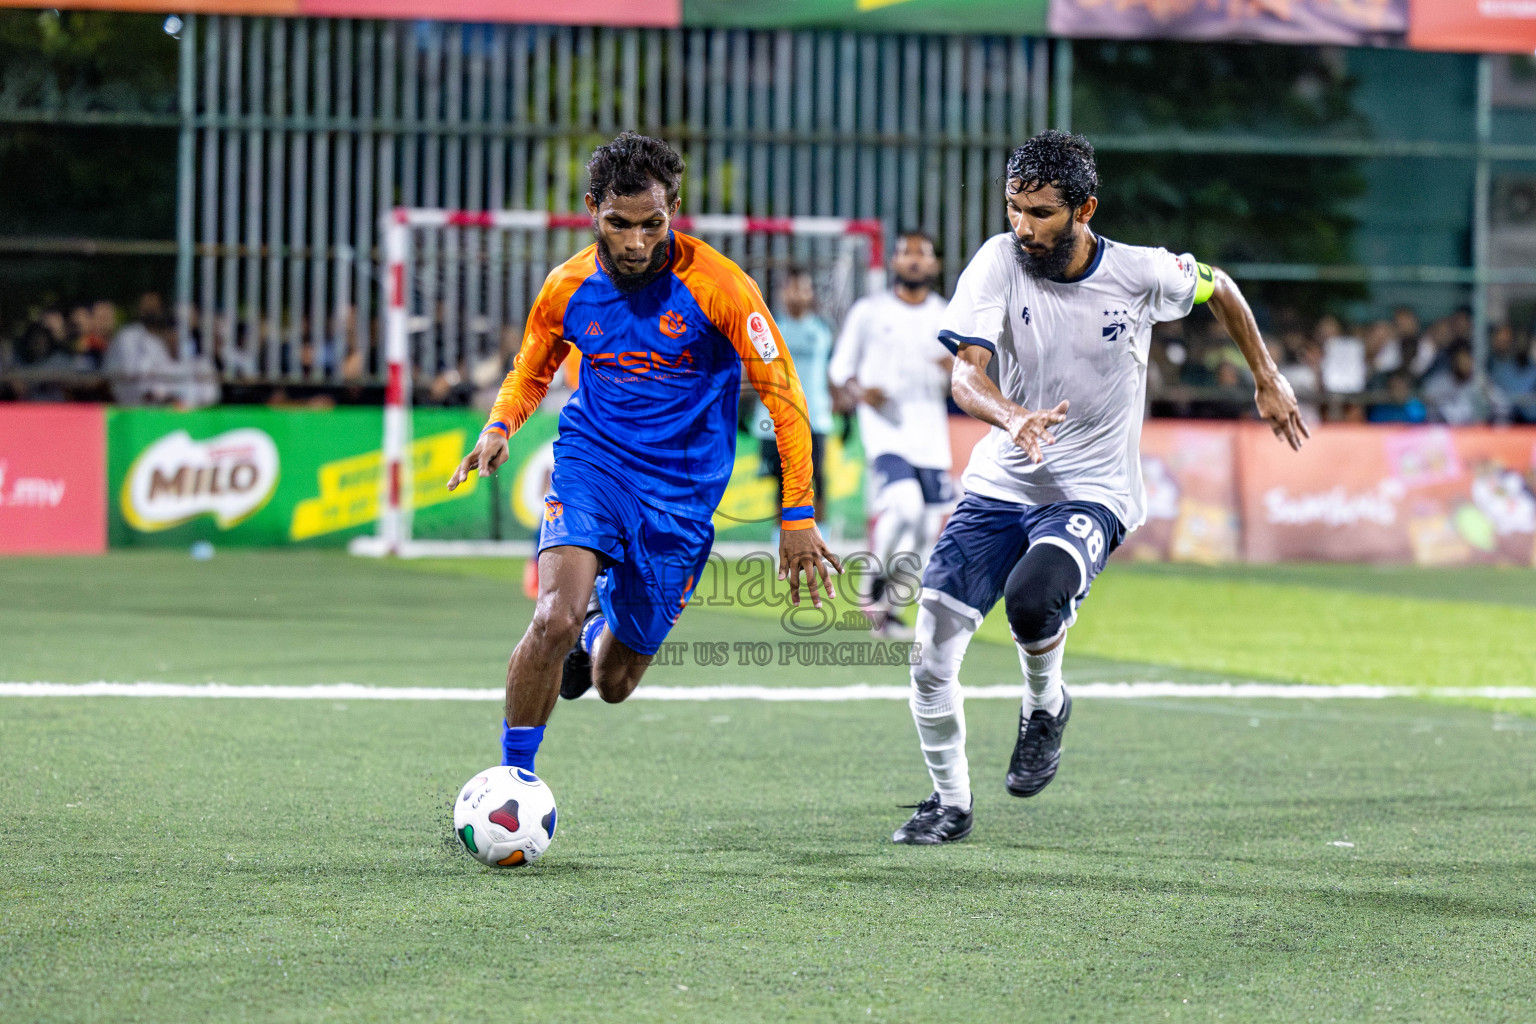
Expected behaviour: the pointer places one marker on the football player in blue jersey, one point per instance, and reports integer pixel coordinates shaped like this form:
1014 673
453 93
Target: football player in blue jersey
666 326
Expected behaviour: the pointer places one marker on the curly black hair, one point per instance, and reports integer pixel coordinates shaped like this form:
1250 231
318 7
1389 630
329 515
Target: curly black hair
1057 158
632 163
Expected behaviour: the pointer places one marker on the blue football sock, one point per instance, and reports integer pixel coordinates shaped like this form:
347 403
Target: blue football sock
519 744
591 631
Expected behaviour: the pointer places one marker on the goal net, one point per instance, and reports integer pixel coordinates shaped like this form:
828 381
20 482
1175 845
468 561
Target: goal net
457 286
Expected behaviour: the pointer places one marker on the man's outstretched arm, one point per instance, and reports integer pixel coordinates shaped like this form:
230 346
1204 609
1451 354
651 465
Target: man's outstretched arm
974 392
1272 392
544 349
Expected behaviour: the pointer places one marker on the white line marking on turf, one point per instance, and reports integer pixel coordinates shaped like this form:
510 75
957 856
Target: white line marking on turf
861 691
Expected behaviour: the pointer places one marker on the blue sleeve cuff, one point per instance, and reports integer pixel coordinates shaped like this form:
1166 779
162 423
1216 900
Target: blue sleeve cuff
797 513
953 341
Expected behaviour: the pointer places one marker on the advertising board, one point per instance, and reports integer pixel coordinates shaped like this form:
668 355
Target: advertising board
268 477
52 480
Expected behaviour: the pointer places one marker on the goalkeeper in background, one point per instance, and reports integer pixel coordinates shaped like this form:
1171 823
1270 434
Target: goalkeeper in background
666 326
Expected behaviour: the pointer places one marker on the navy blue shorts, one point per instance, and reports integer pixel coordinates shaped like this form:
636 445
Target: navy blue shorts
652 559
937 488
985 538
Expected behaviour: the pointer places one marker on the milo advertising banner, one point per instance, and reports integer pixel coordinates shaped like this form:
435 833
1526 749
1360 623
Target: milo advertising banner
267 477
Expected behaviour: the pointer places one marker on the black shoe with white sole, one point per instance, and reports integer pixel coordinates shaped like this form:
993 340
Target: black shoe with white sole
934 823
1037 753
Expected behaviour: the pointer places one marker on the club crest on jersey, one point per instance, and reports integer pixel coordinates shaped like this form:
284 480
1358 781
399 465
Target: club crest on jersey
1119 324
672 325
762 337
593 330
553 509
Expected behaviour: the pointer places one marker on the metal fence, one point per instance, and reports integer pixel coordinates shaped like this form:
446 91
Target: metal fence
296 134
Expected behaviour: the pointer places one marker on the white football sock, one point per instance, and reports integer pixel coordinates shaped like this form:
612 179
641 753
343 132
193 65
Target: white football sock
1042 679
941 734
938 707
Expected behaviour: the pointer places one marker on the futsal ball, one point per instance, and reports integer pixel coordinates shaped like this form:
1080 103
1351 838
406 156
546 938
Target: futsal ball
505 817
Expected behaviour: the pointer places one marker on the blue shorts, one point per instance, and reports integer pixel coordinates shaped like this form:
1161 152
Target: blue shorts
985 538
651 559
936 485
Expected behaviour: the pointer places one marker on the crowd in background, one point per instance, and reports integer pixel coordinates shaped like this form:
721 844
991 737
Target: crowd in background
1396 370
91 351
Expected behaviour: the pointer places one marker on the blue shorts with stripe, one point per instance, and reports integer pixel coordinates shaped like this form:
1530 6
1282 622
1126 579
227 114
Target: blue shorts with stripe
985 538
651 559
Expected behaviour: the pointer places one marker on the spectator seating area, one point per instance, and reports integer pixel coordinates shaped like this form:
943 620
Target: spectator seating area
1397 370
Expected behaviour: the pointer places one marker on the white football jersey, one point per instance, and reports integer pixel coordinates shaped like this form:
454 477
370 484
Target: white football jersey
889 344
1085 341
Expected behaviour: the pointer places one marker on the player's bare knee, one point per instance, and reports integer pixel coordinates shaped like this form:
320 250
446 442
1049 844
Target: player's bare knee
615 692
616 684
617 669
555 628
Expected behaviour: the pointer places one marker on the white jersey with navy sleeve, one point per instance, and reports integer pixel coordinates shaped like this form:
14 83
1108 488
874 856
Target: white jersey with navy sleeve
1085 341
889 344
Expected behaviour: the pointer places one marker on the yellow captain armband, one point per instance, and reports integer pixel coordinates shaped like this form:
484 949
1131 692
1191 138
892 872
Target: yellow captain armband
1205 283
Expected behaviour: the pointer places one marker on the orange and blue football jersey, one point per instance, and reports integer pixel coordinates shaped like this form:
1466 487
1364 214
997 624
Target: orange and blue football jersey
660 378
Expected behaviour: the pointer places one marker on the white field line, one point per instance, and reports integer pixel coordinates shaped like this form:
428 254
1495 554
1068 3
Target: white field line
1120 691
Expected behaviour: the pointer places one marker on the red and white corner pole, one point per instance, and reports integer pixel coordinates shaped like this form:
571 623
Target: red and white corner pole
394 515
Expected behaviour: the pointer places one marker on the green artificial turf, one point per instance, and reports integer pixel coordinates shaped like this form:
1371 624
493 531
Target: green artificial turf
168 859
292 861
1334 624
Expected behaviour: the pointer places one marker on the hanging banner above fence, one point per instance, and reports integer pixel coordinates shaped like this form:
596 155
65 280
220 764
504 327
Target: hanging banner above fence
998 17
1331 22
1475 26
612 13
1486 26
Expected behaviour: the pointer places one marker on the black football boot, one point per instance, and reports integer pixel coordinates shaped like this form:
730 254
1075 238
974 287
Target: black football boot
933 823
1037 753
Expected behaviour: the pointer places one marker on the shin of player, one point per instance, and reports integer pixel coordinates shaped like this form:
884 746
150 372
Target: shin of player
938 705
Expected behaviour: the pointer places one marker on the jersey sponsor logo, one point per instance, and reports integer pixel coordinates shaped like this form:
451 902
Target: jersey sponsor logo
593 330
762 337
1119 324
553 509
672 325
643 362
1185 267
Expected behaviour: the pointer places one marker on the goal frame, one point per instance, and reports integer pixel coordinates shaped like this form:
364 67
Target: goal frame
393 537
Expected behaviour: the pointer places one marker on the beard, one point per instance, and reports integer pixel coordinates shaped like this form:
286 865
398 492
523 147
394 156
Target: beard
631 283
1050 264
914 281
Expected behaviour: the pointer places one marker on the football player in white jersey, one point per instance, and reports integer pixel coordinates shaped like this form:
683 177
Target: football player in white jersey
1056 483
887 365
